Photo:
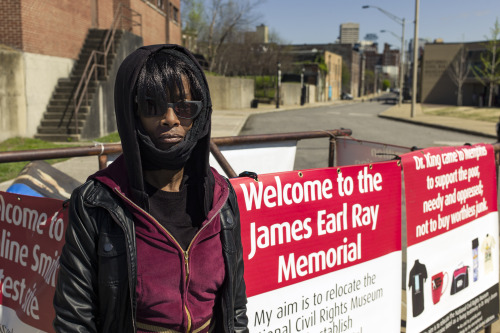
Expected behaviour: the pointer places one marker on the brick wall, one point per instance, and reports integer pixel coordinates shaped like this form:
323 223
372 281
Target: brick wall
175 33
154 30
105 13
175 25
59 27
155 20
10 29
54 27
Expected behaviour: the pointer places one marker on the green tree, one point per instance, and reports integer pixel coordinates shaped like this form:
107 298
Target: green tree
193 15
386 84
346 77
369 81
488 72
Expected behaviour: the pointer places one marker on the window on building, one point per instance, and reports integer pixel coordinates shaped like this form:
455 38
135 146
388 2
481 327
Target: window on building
175 14
160 4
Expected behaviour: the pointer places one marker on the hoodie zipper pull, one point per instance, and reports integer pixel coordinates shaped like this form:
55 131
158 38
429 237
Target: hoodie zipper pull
186 263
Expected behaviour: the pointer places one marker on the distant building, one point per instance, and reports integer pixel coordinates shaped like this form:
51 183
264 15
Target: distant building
349 33
260 35
328 81
436 83
351 61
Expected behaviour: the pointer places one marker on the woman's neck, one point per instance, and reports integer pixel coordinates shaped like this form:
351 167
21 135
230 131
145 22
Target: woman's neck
165 180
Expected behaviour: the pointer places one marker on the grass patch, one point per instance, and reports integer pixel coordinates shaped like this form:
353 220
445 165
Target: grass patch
111 138
470 113
11 170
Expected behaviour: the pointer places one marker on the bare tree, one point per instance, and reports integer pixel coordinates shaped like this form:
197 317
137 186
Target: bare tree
488 73
458 72
226 18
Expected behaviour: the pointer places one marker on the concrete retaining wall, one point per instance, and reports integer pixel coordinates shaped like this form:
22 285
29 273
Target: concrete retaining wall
230 92
12 94
311 94
42 73
26 84
290 93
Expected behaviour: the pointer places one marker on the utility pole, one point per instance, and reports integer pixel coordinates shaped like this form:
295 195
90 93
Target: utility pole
401 66
415 63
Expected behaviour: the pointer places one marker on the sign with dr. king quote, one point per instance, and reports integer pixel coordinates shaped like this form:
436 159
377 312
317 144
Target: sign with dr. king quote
452 233
322 249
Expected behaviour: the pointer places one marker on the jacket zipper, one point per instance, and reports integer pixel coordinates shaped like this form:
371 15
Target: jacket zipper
185 253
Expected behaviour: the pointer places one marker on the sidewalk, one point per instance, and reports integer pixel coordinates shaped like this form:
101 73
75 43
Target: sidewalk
468 126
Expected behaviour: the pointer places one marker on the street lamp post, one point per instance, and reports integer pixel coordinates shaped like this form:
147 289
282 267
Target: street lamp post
302 88
402 22
278 88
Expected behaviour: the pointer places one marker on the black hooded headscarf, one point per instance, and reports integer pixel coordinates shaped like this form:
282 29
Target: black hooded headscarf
139 151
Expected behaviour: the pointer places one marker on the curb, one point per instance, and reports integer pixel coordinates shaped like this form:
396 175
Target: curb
439 126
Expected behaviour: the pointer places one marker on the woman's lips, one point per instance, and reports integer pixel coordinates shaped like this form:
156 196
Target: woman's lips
170 138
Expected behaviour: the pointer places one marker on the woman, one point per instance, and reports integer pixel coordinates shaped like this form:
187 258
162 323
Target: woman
153 242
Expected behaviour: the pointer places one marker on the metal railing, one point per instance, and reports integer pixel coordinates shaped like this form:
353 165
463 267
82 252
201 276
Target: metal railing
103 150
99 59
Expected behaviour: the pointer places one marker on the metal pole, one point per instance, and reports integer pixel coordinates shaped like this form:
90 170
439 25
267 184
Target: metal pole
103 161
363 65
278 88
415 62
331 152
401 65
224 164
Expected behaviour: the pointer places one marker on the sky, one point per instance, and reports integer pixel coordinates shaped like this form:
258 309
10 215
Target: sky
318 21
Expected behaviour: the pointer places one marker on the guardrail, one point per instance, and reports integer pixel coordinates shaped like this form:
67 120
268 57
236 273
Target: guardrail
103 150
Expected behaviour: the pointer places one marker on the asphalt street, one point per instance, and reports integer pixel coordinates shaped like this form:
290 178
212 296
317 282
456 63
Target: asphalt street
362 118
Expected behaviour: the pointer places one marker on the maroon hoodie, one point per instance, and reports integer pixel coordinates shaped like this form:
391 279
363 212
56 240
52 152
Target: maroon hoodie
175 288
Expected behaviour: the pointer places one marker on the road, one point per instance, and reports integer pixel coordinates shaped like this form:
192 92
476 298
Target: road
361 118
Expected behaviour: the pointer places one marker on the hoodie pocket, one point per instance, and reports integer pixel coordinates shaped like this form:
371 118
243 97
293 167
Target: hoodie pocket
112 258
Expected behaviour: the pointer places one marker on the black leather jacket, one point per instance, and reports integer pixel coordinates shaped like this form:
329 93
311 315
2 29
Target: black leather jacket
95 291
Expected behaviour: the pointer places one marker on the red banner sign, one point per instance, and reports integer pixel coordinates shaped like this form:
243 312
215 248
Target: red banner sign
452 232
31 237
322 248
299 225
447 187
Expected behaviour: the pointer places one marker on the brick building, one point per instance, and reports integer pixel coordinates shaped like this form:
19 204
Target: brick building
383 65
58 28
44 38
350 57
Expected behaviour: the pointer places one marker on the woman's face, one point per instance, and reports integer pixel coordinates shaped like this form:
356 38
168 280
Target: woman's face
167 130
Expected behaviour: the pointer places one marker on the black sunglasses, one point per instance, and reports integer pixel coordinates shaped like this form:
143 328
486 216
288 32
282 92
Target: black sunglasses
183 109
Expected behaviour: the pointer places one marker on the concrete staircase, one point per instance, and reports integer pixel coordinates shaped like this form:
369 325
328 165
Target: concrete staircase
58 122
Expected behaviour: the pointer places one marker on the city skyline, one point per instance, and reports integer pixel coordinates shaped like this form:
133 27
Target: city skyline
318 21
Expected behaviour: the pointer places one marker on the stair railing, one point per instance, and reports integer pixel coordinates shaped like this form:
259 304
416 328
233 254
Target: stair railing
99 59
